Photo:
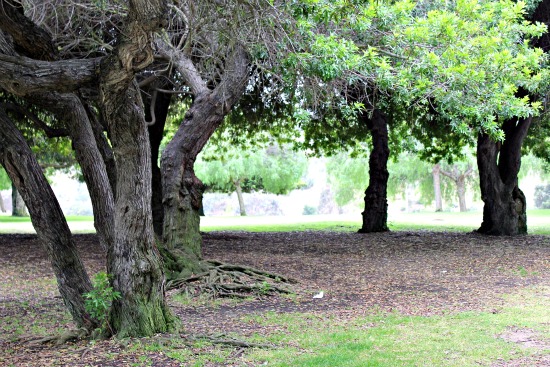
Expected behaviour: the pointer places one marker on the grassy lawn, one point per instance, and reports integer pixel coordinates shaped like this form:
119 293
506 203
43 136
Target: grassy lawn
538 222
464 339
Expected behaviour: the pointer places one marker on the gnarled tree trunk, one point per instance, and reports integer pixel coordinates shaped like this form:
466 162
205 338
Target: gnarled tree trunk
504 210
133 260
181 189
47 219
375 215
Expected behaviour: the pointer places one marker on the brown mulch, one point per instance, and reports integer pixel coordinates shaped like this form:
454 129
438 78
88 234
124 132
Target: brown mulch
420 273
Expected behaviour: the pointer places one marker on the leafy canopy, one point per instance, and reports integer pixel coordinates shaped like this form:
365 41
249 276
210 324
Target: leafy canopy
467 58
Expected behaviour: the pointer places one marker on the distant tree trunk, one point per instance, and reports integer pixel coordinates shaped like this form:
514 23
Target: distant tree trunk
2 206
459 178
437 187
239 191
461 191
181 189
47 219
504 210
375 216
18 208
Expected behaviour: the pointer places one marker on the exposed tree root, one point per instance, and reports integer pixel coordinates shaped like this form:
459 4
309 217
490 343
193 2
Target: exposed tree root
222 339
236 281
58 339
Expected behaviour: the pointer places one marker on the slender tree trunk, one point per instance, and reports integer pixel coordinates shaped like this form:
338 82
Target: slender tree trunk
437 187
181 189
2 205
70 109
239 191
133 260
47 219
156 112
504 210
375 216
18 208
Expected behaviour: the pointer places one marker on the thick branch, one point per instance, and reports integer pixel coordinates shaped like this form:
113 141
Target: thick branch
23 76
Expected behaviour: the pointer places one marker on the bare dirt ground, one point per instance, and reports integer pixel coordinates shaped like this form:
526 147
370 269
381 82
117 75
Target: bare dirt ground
421 273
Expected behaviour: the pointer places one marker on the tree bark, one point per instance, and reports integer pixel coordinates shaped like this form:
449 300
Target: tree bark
18 208
70 109
504 210
437 187
133 260
375 215
181 189
47 219
239 191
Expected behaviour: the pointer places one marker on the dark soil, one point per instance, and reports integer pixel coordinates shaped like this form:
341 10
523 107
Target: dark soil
421 273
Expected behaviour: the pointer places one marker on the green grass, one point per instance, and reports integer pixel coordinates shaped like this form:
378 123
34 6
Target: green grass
464 339
538 223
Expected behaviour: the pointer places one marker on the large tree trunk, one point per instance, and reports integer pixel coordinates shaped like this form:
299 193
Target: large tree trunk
181 189
47 219
375 215
133 260
239 190
504 212
437 187
18 208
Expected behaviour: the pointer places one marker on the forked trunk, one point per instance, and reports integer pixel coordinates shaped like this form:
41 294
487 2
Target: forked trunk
437 187
504 210
375 216
47 219
239 191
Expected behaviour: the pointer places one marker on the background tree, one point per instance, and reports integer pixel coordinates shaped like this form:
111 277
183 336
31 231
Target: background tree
5 184
276 170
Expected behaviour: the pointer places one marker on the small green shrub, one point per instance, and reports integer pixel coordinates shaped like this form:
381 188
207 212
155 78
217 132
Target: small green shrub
309 210
99 300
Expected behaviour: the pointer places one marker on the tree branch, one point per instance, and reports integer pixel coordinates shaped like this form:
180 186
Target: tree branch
22 76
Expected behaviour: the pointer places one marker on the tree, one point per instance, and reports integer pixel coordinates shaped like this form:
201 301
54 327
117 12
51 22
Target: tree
438 56
132 257
274 169
48 220
459 177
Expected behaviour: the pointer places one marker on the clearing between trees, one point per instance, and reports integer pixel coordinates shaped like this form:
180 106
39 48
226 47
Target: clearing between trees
397 274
